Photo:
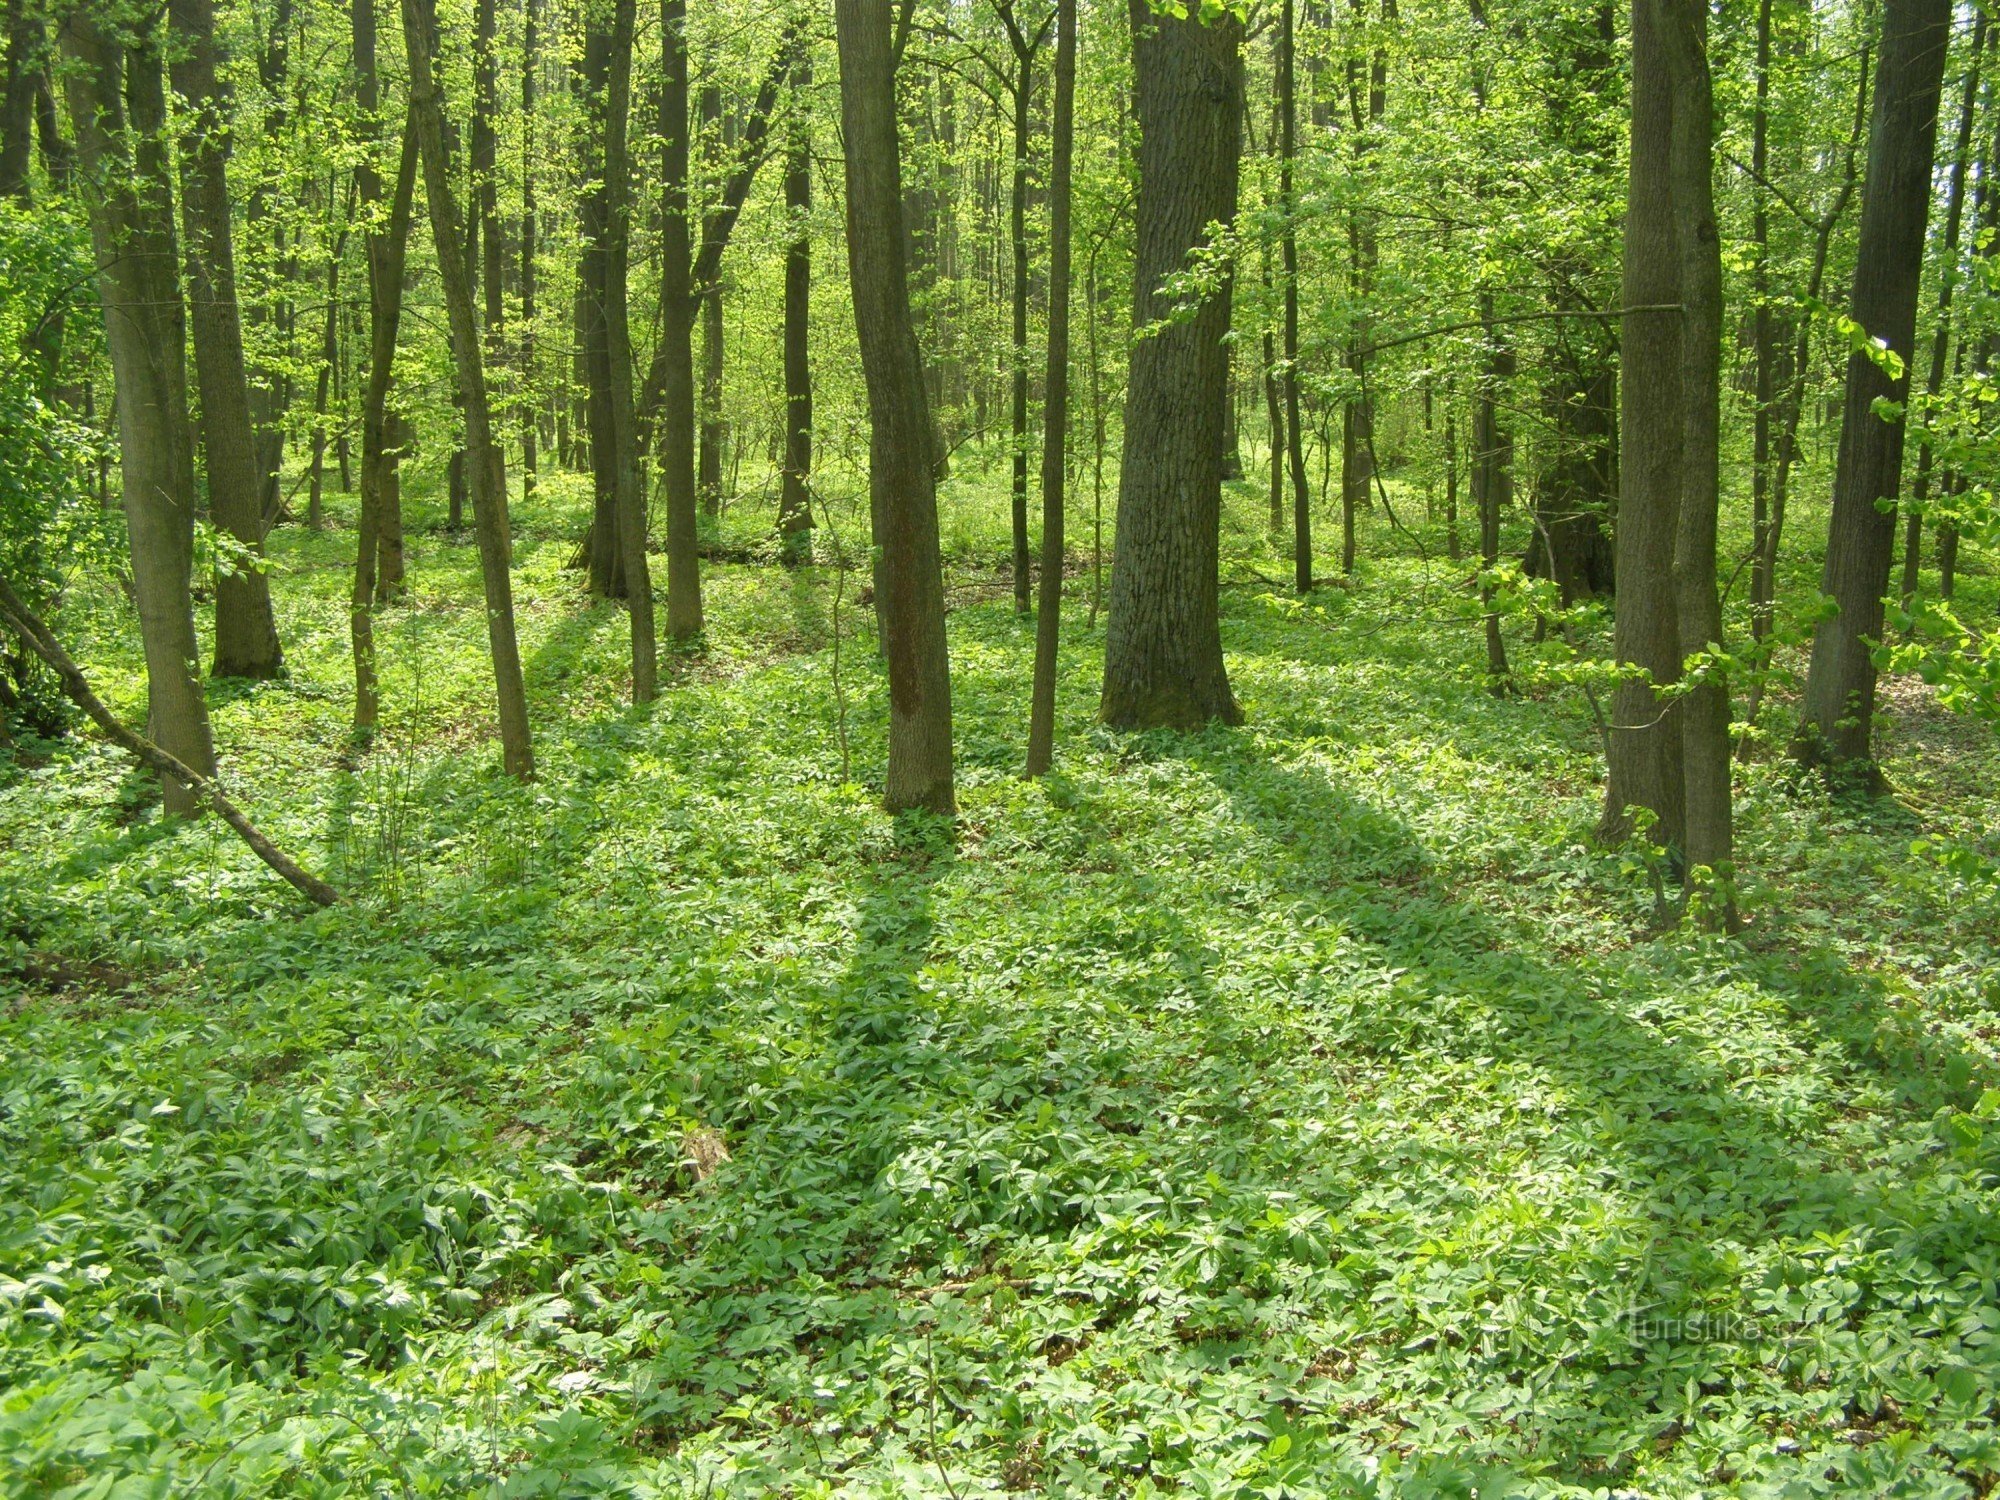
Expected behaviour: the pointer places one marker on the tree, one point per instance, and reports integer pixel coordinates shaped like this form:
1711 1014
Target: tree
121 146
1302 561
1837 716
795 521
1704 715
1644 746
1055 433
1163 641
246 632
631 499
484 477
385 245
901 477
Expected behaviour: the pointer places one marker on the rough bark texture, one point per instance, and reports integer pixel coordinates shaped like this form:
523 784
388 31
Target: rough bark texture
1954 217
607 566
902 485
385 249
1302 556
378 466
484 476
1163 641
118 107
1644 747
246 632
1055 410
631 498
795 493
1839 707
1683 29
677 416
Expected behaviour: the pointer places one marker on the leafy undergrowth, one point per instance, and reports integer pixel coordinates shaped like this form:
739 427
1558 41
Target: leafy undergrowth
1308 1109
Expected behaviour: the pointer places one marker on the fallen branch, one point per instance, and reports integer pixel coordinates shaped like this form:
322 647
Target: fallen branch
44 645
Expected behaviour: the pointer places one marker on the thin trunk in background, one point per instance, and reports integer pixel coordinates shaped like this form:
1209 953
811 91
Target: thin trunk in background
1055 417
484 478
1838 711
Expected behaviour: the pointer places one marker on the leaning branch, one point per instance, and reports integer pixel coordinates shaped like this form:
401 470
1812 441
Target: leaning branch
44 645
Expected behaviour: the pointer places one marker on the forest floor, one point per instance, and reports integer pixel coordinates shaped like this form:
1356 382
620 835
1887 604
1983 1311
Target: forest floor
1308 1109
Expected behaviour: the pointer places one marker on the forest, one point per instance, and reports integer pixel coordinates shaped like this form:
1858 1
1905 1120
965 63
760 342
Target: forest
968 747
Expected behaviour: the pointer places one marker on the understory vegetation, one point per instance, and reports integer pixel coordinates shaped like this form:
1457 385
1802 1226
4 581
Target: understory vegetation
1306 1108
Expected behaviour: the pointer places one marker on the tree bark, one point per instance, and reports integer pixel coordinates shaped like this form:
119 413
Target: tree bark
121 146
677 414
1704 714
1954 214
795 521
902 483
1644 745
631 498
1055 399
1302 558
1839 708
1163 642
246 632
485 479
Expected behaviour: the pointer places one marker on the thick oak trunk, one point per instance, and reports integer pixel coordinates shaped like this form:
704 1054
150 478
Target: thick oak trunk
1163 641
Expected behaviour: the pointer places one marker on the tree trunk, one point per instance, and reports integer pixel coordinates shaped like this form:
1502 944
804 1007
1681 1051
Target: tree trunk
795 520
1055 398
121 144
1163 642
1024 83
1954 213
530 63
708 465
607 564
677 414
385 250
901 477
1302 557
631 497
1839 708
246 632
1492 481
485 478
1644 744
1683 33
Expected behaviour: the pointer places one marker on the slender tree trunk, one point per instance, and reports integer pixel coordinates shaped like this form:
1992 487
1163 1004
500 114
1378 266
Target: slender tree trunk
486 480
121 145
1163 642
631 497
530 64
20 43
708 466
1839 708
1492 479
1024 81
246 632
1055 399
1644 746
607 566
329 352
1791 376
677 416
1954 205
795 496
1302 558
901 477
1683 32
385 249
